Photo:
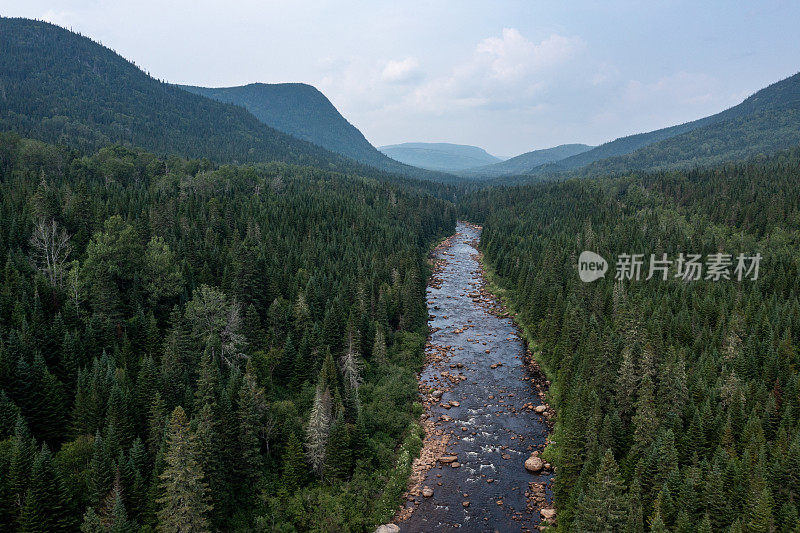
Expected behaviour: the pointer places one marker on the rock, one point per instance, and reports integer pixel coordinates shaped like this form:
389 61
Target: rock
446 459
388 528
548 514
506 456
437 393
455 464
427 492
534 464
465 504
540 409
454 403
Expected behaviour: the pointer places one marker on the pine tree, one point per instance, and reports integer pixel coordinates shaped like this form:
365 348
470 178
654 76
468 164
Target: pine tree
645 421
604 506
761 520
294 464
318 429
252 409
184 504
46 508
338 456
379 346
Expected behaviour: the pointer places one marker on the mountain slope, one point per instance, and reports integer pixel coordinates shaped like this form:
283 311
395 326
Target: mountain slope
304 112
61 87
439 156
769 120
527 162
764 123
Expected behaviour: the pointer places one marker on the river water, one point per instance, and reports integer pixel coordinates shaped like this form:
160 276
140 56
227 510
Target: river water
494 428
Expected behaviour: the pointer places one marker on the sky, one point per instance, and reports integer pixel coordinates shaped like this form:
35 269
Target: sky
508 76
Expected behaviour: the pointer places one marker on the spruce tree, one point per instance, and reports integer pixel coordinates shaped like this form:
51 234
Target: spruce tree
46 508
604 506
184 504
294 464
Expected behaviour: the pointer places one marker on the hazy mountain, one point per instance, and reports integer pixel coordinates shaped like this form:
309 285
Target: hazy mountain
58 86
62 87
527 162
303 111
439 156
767 121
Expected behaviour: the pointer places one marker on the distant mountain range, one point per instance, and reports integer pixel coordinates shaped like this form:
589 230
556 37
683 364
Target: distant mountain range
58 86
439 156
527 162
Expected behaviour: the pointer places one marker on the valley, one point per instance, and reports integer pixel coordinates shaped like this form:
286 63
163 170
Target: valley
482 408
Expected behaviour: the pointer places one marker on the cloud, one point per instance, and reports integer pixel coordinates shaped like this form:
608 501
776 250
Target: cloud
512 56
402 71
503 71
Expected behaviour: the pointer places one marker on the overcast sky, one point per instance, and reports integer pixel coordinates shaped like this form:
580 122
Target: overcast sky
509 76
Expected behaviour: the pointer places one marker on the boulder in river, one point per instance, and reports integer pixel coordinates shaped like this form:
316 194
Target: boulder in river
540 409
448 459
427 492
547 513
388 528
534 464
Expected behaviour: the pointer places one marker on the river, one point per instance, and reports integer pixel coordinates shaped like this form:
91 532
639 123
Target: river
476 358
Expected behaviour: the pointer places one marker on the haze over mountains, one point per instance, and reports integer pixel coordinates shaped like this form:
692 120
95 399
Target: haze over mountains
439 156
765 122
62 87
529 161
59 86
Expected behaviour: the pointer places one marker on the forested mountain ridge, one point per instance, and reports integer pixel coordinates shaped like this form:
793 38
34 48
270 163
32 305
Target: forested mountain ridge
678 401
58 86
446 157
304 112
207 347
766 122
529 161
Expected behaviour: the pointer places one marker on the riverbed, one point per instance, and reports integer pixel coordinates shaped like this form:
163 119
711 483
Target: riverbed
486 415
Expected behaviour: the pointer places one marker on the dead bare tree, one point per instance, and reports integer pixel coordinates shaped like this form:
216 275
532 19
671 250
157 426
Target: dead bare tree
50 248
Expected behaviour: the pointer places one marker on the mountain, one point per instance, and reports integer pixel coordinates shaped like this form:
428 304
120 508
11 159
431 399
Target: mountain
439 156
304 112
527 162
765 122
61 87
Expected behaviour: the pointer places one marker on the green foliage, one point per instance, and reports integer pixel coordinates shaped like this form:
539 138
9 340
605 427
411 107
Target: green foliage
228 291
185 502
696 384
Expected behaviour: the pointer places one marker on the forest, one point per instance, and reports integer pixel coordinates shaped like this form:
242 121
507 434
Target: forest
187 345
678 401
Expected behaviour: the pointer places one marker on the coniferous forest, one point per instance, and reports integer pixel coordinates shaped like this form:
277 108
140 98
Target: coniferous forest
186 345
208 323
678 401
